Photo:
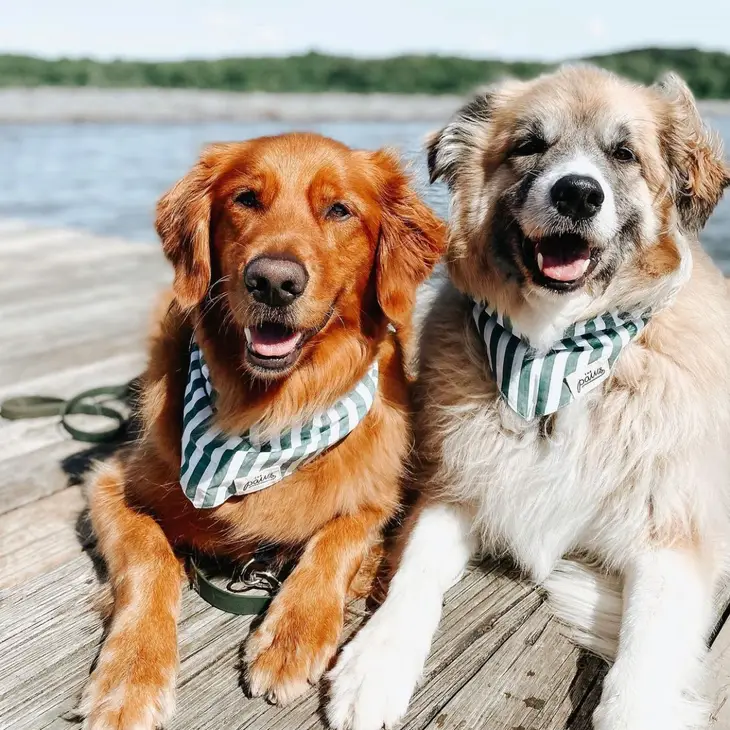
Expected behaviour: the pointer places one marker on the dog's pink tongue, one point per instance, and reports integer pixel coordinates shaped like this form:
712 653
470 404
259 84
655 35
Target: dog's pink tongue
563 267
268 343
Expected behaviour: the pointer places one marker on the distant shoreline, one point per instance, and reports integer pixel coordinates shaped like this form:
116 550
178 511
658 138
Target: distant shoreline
151 105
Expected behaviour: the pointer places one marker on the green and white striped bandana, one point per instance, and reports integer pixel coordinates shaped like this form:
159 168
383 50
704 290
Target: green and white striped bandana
536 384
216 467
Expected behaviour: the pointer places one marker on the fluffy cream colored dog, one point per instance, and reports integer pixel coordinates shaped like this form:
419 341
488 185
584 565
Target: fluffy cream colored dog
574 391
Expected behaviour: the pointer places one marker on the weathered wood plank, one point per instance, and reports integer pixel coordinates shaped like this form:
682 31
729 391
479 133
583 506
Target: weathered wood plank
35 473
122 315
53 241
40 536
24 241
53 277
65 382
467 640
67 296
48 633
59 314
535 680
37 361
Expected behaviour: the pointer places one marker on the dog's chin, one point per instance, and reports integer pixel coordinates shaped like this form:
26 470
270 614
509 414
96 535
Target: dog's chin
274 349
561 263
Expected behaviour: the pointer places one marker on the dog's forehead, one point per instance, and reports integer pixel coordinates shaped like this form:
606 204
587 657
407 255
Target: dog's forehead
583 102
294 161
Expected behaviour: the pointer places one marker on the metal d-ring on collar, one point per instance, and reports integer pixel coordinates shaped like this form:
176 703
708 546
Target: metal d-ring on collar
256 574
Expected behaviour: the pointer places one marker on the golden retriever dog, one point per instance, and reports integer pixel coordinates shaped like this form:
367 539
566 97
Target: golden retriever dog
574 391
296 263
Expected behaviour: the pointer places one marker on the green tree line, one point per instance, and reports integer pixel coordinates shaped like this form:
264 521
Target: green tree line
708 73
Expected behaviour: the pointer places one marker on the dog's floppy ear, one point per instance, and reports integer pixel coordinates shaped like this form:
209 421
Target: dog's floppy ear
447 148
412 240
183 224
465 134
694 153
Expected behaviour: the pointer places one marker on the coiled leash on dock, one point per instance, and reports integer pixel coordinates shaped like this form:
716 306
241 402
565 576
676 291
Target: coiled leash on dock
85 403
252 586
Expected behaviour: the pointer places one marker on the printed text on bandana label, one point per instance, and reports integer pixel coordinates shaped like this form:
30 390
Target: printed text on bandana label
263 479
587 378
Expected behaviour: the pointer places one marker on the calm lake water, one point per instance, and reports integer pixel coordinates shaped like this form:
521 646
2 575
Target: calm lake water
106 178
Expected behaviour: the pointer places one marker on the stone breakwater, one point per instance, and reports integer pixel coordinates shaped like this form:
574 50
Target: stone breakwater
149 105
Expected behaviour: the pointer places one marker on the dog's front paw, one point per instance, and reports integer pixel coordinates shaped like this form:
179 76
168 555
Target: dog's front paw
615 713
372 683
291 649
129 689
645 704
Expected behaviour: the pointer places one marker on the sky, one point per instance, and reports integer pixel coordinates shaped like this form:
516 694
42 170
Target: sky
513 29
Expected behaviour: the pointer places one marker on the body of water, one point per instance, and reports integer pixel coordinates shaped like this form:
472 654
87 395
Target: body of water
106 178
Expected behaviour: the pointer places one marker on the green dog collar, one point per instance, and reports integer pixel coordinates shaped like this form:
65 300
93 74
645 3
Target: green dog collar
247 593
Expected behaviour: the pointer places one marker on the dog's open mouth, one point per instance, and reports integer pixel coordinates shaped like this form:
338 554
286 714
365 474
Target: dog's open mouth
559 262
272 340
273 346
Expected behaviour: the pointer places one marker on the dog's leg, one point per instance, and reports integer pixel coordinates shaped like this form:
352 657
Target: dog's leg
133 684
300 633
667 610
377 672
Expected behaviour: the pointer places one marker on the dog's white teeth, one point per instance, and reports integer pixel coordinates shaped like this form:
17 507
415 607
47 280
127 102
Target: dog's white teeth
540 261
584 266
247 332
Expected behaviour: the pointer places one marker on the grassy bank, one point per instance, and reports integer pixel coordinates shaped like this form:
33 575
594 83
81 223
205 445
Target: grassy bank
708 73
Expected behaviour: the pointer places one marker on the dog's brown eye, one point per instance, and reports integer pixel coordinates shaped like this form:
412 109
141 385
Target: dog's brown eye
248 199
624 154
338 211
529 146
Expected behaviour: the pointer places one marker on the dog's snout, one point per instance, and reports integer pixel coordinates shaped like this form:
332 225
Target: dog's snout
275 281
577 196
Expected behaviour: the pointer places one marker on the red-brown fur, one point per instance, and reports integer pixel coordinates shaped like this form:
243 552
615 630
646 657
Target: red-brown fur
333 509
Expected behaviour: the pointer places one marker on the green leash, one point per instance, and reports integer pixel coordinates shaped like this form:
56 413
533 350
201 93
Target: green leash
85 403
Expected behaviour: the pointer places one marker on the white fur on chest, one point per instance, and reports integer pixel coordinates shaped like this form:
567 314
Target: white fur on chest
533 495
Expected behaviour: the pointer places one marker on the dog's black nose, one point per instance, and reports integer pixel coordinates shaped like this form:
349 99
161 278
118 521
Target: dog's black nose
276 282
577 196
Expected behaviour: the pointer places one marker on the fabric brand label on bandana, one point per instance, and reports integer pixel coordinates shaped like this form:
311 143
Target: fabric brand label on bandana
588 378
538 384
265 478
216 466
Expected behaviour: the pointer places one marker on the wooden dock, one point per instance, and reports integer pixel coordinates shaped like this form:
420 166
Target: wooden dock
73 312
